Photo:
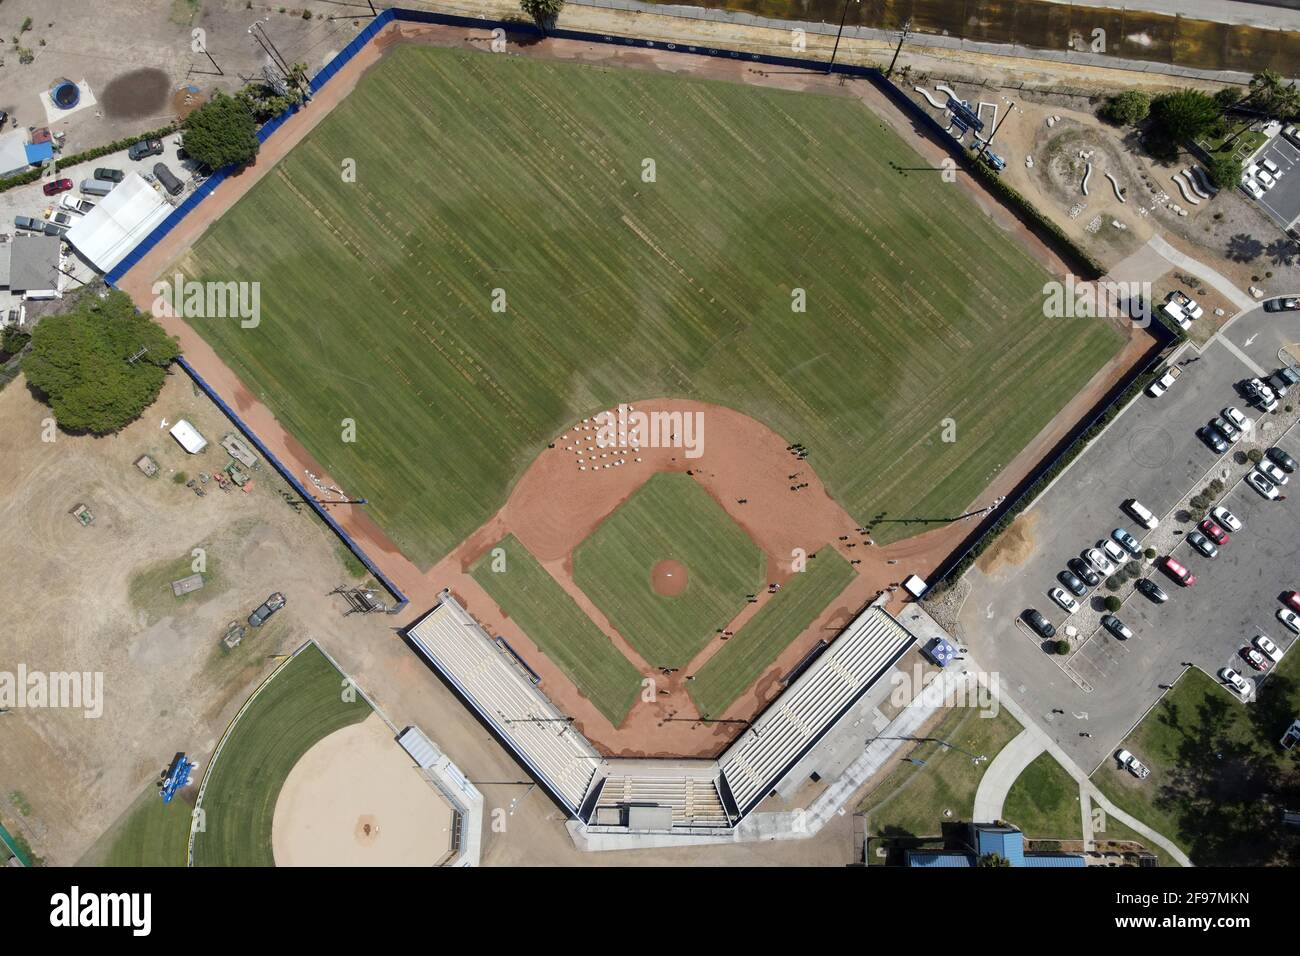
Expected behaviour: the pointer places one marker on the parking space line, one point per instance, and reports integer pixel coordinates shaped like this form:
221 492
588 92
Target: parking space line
1249 362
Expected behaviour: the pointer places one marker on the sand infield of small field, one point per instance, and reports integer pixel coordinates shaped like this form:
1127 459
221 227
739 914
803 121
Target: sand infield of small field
355 799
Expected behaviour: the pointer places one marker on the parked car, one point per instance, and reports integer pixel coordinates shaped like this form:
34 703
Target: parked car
1202 544
1141 514
56 187
168 179
1211 436
1290 618
1280 458
27 222
1039 623
1161 385
1117 555
1132 764
1068 604
1292 600
1152 590
1283 380
1238 418
1098 561
145 148
1272 472
97 187
1293 134
55 229
1085 572
1072 584
1188 305
1235 681
1127 542
1255 659
1116 627
1178 572
1260 394
1285 304
266 609
1226 518
1268 648
109 174
76 203
1262 485
1212 531
1225 428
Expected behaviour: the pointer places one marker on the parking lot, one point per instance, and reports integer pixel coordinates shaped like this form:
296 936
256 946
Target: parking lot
1282 201
1151 452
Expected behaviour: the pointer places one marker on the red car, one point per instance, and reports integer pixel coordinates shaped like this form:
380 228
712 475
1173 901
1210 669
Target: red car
1292 598
56 187
1178 572
1214 532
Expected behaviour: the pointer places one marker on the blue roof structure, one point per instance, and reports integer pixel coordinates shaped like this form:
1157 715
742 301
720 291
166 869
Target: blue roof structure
38 153
939 651
1007 842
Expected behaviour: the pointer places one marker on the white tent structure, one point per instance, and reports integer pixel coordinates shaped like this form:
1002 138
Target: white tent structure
113 228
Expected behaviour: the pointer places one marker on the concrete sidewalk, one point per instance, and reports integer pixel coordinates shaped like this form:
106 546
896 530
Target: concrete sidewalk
1005 769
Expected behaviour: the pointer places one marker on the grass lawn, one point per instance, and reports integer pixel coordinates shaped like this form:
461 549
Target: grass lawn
151 833
1044 802
911 801
740 661
669 517
478 173
1218 774
150 588
561 629
300 706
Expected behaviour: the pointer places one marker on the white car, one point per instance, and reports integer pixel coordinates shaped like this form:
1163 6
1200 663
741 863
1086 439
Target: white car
1261 484
1177 315
1265 179
1226 518
1237 418
1272 472
1290 618
1117 555
1273 168
1134 766
1161 385
1235 681
1293 134
1067 603
1267 648
1252 187
1098 561
1262 394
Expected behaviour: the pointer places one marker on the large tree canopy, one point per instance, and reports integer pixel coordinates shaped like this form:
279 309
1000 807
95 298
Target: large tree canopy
1184 114
82 363
220 132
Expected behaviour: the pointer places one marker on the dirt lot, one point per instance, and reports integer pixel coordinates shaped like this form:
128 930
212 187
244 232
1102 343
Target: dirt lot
98 599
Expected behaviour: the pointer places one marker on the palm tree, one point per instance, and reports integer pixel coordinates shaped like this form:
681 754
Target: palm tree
993 859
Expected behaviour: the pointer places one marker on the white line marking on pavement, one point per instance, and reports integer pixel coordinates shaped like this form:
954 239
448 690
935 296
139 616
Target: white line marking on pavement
1249 362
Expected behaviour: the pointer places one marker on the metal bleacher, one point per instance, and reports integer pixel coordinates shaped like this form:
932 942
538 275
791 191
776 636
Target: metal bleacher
793 723
493 684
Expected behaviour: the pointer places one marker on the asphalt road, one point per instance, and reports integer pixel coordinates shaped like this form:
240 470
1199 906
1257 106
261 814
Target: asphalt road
1150 452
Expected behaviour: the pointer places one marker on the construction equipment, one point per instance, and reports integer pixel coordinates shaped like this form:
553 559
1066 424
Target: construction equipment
234 634
83 514
239 477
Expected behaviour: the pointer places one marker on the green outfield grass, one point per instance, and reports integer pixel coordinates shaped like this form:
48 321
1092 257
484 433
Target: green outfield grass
561 629
740 661
301 705
151 833
670 517
479 172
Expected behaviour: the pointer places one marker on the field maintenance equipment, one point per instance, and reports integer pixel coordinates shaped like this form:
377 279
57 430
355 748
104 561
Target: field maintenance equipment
234 634
239 477
239 451
176 776
82 514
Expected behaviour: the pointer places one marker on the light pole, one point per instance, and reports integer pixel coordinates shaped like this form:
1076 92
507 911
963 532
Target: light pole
844 13
907 28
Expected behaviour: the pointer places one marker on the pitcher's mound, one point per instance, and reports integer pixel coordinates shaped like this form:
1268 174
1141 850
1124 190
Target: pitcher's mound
356 799
668 578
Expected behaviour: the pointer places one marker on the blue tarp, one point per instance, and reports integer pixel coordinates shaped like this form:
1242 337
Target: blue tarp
38 153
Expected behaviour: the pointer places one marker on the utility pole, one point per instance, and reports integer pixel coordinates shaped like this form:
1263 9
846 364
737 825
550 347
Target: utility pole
844 13
907 28
1005 113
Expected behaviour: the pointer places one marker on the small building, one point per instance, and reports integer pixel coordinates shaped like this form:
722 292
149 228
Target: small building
915 586
939 651
188 436
34 266
13 153
993 839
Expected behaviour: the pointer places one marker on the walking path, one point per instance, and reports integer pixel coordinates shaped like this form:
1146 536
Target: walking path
1005 769
1217 279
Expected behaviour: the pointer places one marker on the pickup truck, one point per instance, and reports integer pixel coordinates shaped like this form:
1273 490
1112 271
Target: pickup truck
1161 385
76 203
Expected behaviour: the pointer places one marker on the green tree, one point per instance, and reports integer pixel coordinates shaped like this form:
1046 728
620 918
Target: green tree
1224 171
221 132
12 341
542 11
1127 109
1183 115
1113 603
100 365
993 859
1255 455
